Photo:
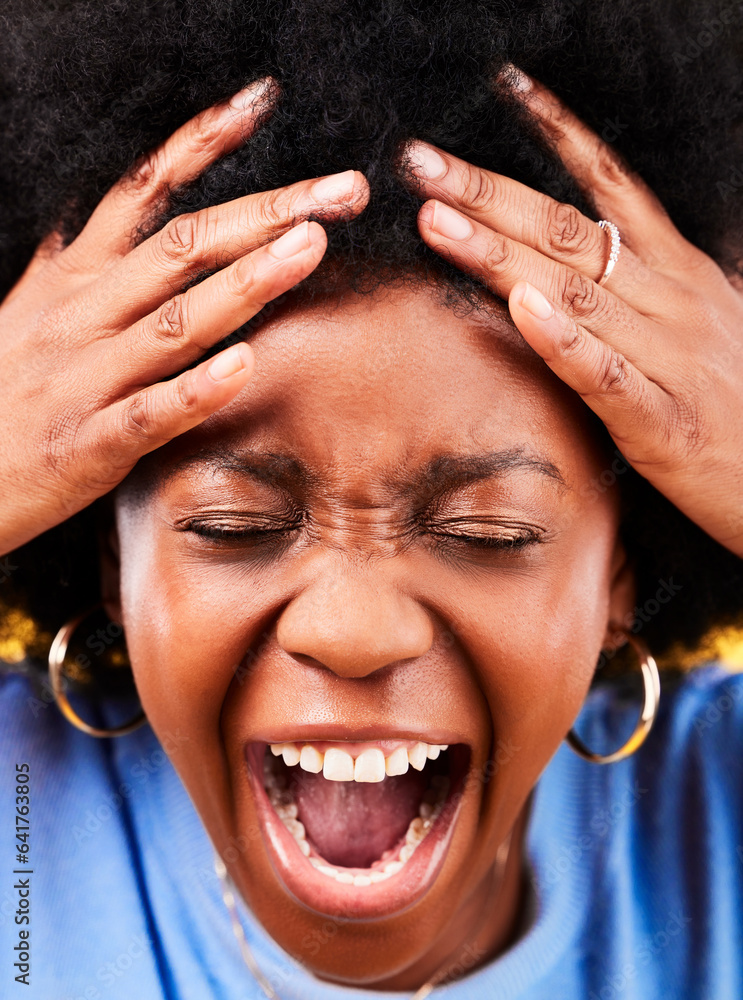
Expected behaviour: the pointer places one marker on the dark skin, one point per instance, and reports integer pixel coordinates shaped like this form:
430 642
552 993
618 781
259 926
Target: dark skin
386 605
472 609
105 322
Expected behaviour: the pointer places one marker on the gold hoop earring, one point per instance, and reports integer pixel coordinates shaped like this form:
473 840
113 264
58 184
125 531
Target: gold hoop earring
57 653
651 682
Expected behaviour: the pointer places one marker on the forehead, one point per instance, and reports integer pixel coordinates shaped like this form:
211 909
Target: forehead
390 382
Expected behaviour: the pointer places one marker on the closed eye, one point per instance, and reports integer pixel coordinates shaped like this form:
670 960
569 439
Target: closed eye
246 529
485 534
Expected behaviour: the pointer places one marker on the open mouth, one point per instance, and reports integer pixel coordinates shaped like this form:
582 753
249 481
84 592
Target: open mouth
358 829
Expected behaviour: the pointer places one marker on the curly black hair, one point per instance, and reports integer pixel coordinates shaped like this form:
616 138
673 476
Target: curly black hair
87 87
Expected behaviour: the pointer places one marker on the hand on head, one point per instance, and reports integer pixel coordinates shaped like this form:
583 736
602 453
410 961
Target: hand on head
656 351
91 330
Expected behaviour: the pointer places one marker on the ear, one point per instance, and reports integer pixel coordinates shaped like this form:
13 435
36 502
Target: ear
621 598
109 558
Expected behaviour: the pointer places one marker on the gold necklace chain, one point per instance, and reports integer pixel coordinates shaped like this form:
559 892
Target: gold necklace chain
228 895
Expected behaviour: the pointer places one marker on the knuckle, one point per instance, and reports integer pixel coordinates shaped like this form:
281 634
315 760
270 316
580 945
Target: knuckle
610 170
699 270
179 238
200 134
170 319
185 397
480 191
498 252
693 310
147 415
581 295
687 427
566 229
239 278
612 375
145 173
60 439
138 418
270 210
573 344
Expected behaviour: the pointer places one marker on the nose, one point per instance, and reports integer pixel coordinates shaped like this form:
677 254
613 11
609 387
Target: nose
354 626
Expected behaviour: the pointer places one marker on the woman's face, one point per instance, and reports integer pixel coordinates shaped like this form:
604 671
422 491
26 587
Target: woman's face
390 538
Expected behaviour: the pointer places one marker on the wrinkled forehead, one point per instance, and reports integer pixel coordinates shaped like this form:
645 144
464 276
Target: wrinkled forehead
392 381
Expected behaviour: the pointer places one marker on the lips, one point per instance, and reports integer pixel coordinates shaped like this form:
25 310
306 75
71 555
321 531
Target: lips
344 835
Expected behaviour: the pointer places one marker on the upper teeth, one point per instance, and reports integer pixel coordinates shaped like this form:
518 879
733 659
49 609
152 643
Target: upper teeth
370 765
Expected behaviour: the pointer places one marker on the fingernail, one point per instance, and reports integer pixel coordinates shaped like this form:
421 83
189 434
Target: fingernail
516 79
292 242
335 187
451 224
535 303
426 161
227 363
244 99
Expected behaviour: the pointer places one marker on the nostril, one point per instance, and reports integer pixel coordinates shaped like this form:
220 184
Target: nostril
352 627
307 661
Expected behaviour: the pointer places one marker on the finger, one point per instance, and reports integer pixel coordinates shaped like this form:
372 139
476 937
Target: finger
617 392
556 230
499 263
619 194
181 158
189 324
123 433
195 244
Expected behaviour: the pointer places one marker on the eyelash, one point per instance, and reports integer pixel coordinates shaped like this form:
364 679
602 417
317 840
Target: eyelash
521 540
523 537
211 531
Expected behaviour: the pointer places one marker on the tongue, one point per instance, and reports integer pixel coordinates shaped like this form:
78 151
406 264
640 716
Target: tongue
352 823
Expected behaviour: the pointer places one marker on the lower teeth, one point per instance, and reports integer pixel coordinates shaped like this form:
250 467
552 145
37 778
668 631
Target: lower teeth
390 863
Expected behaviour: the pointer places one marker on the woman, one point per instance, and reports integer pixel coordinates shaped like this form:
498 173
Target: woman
366 567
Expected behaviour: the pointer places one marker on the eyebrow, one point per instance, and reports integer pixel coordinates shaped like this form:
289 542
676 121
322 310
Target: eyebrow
271 468
445 472
451 471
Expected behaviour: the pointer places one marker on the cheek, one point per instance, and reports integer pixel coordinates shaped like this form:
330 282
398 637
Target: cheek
188 627
536 639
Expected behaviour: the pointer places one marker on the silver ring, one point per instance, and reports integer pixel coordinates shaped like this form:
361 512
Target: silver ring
616 242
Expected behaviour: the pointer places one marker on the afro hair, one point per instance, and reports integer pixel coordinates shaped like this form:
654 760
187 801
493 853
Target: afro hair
88 86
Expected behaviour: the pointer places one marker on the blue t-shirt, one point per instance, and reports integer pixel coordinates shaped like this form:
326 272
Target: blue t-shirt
636 867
